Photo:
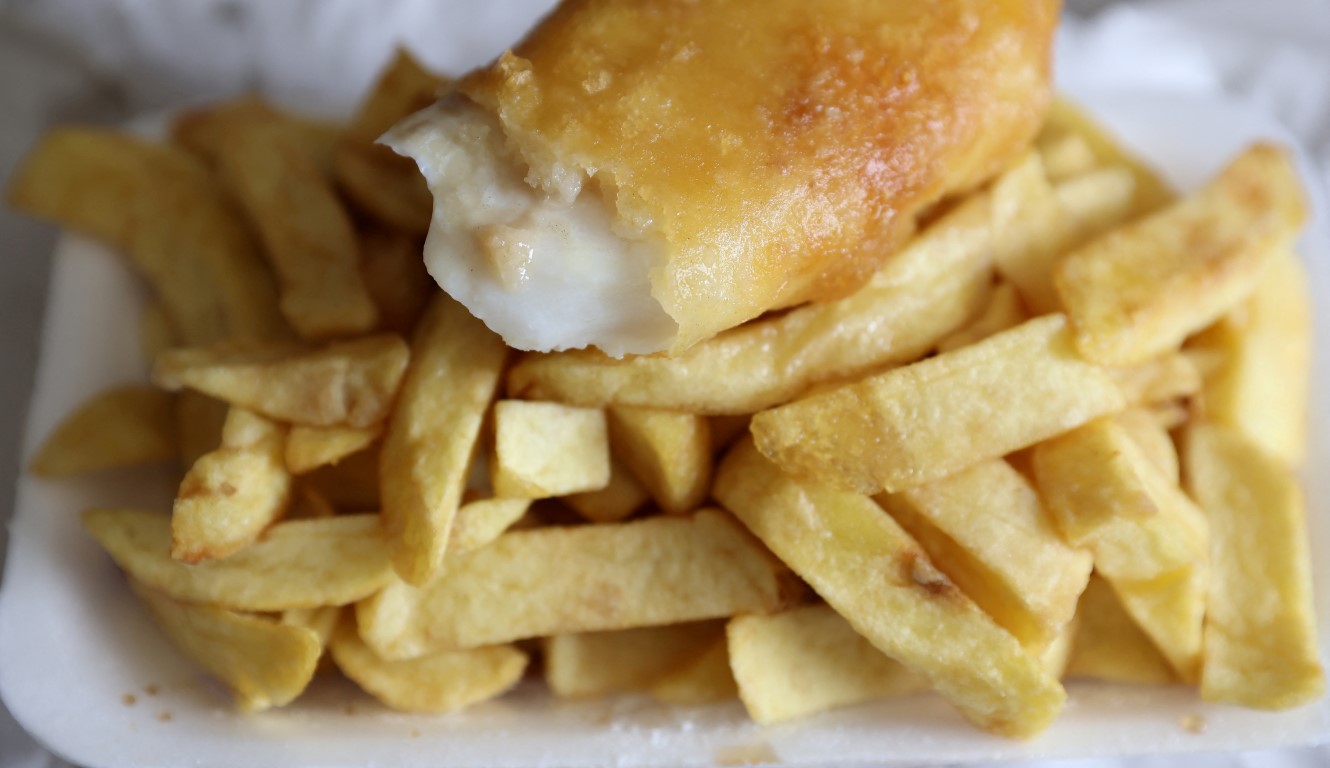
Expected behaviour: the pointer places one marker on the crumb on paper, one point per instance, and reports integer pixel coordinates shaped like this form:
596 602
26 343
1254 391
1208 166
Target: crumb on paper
349 709
151 689
165 716
1192 723
757 753
415 733
129 699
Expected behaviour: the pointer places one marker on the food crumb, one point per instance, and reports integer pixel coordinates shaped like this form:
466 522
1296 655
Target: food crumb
129 699
415 733
759 753
165 717
151 689
349 709
1192 723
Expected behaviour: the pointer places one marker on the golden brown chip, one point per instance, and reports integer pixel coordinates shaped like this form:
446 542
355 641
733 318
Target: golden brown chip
298 564
231 495
346 383
704 679
479 522
597 663
118 427
1110 646
548 449
669 452
264 663
1150 191
1004 311
427 450
622 496
395 276
308 448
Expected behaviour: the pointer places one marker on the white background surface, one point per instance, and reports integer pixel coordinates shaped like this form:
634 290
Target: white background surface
86 60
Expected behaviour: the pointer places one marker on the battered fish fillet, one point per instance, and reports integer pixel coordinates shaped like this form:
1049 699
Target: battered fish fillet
638 175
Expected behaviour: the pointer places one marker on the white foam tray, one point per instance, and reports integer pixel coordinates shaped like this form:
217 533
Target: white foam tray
75 648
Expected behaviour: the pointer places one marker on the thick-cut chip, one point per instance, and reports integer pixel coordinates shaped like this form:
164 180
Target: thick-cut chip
548 449
704 679
395 275
621 497
1141 289
119 427
1166 377
870 570
1261 382
298 564
1004 311
231 495
442 681
347 383
322 620
264 663
922 422
454 372
204 130
559 580
1150 190
1148 539
596 663
306 233
1064 154
986 529
936 284
379 182
479 522
1151 436
669 452
1260 627
1109 645
308 448
808 660
166 211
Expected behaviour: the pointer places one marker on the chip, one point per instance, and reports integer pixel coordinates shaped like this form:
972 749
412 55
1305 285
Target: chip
548 449
1110 646
120 427
704 679
622 496
309 448
669 452
597 663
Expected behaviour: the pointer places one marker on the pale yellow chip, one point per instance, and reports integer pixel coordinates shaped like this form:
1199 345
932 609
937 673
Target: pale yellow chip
841 541
1167 377
119 427
1004 311
548 449
298 564
596 663
922 422
935 285
1261 379
987 530
1064 154
621 497
1151 436
479 522
442 681
454 372
704 679
1141 289
231 495
1148 539
1260 624
669 452
262 662
808 660
309 448
346 383
307 234
1150 190
322 621
1110 646
560 580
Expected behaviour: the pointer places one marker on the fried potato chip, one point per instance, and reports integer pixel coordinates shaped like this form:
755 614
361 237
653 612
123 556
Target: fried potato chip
308 448
621 497
596 663
669 452
1260 383
380 183
204 130
166 211
1260 626
1064 154
936 284
561 580
156 333
1110 646
306 233
1150 191
922 422
231 495
322 621
298 564
839 541
704 679
1141 289
1004 311
454 372
808 660
479 522
548 449
442 681
986 529
395 276
1148 539
264 663
1159 379
1151 436
345 383
119 427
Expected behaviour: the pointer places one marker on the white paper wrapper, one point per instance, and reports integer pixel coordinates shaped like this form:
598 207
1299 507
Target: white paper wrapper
76 646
